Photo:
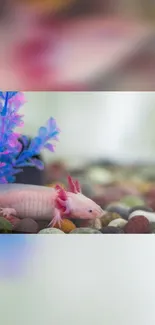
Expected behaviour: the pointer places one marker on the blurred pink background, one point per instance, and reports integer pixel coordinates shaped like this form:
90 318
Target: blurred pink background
76 47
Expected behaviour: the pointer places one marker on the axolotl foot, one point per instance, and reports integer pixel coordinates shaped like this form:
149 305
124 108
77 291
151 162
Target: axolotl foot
7 212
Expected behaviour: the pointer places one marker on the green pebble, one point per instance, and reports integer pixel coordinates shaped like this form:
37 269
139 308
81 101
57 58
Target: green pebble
84 230
132 201
5 225
118 204
49 231
148 174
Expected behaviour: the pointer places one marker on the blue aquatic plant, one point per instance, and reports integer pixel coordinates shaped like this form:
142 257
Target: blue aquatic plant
14 156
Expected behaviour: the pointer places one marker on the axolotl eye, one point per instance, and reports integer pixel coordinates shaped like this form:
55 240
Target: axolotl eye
90 211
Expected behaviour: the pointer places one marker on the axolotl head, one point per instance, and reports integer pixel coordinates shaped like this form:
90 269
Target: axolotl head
77 205
82 207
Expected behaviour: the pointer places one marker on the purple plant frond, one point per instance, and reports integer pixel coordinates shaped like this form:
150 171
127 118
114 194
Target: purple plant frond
14 156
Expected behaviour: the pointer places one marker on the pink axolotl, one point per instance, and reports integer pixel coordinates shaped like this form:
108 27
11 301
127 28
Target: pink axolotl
43 203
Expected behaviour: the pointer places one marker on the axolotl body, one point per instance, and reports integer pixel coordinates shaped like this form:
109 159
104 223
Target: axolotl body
45 203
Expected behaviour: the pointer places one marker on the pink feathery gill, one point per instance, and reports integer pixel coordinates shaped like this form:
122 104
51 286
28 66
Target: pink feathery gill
43 203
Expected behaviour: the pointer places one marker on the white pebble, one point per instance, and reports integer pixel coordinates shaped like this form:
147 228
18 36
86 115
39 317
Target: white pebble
97 223
149 215
49 231
118 223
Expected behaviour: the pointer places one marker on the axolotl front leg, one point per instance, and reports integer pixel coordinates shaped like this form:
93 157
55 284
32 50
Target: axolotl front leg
8 212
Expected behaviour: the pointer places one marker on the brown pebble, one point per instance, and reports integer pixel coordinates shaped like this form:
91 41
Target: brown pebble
42 224
27 226
137 225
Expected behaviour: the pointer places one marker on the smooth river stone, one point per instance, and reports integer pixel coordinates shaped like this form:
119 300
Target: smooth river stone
149 215
152 227
140 207
97 224
5 225
42 224
50 231
85 231
118 223
82 223
66 226
119 208
112 230
132 201
137 225
94 223
26 225
108 217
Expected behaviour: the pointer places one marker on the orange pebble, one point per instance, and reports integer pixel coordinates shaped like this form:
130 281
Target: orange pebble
66 226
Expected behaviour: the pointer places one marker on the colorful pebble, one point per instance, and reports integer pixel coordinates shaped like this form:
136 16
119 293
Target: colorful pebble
119 208
132 201
149 215
118 223
26 225
108 217
5 225
152 227
112 230
140 207
97 224
66 226
82 223
94 223
50 231
85 231
137 225
13 220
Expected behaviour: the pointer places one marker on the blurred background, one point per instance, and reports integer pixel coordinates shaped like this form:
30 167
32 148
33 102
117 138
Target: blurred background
107 141
116 126
77 45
